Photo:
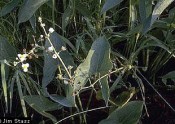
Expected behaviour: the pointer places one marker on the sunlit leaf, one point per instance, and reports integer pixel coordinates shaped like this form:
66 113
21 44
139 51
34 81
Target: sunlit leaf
157 11
98 60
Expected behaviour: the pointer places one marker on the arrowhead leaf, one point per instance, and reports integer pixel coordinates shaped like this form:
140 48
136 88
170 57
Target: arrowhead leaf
28 9
97 61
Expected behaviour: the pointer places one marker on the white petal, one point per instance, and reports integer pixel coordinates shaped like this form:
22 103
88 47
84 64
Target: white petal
51 30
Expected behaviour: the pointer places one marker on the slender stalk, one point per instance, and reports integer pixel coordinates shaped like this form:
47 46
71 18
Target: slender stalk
78 112
156 91
58 56
90 98
53 13
81 107
92 85
82 113
72 118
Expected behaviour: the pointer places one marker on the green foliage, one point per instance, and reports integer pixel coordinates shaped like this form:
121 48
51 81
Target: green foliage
97 61
82 48
110 4
28 9
128 114
7 52
158 9
9 7
42 104
51 64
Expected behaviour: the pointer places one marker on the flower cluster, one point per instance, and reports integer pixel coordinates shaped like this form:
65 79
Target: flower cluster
56 54
21 59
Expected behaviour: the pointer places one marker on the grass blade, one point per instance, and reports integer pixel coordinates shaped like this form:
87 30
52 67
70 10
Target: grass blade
4 84
11 91
21 94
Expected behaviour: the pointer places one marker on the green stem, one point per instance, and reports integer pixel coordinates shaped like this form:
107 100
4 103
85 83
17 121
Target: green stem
53 13
81 108
90 98
82 113
58 56
72 118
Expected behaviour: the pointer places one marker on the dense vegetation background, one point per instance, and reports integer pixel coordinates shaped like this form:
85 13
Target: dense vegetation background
88 61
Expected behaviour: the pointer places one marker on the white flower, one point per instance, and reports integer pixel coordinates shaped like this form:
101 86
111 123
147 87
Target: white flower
41 36
22 57
63 48
39 19
15 63
54 56
50 49
25 67
43 24
51 30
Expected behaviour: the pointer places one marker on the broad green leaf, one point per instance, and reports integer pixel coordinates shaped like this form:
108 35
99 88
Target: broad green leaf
6 50
9 7
158 9
4 84
128 114
97 61
42 104
145 9
68 101
51 64
110 4
65 101
28 9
